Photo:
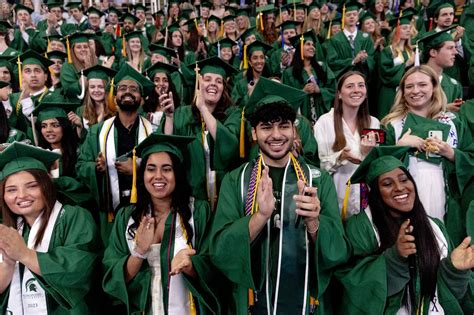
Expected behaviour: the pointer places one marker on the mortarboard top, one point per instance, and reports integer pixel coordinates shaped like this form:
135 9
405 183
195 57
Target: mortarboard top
380 160
140 7
74 5
19 157
30 57
54 37
265 9
243 11
228 18
99 72
19 7
434 38
175 2
268 91
351 5
226 43
4 84
186 13
115 10
129 17
171 28
134 34
5 26
214 65
54 4
367 15
337 20
160 67
249 32
314 5
258 46
290 24
54 105
7 61
129 73
308 35
231 10
158 142
215 19
436 5
56 54
93 10
78 37
206 4
158 13
405 19
162 50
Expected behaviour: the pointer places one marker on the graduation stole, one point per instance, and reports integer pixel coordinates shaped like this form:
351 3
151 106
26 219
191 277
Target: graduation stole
400 54
18 104
107 147
210 174
27 296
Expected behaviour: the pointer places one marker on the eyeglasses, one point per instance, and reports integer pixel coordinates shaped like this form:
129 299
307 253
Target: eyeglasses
131 88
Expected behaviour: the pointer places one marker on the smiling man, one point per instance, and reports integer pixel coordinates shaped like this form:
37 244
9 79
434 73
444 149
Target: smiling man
102 163
277 263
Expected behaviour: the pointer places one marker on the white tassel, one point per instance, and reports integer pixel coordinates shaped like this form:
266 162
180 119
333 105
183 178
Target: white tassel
219 49
83 87
417 56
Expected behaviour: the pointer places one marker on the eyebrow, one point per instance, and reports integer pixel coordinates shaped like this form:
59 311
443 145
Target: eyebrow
33 181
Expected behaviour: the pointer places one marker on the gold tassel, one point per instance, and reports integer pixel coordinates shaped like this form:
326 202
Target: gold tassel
242 135
124 48
251 297
261 21
343 16
281 18
329 29
196 83
49 45
110 216
246 64
302 47
221 30
68 47
198 29
20 74
110 97
133 195
346 200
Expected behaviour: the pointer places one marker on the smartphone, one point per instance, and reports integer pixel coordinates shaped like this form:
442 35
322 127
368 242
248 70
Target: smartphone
379 134
438 134
298 218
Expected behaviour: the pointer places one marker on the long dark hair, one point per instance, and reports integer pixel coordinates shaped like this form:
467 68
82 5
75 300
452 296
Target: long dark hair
220 111
298 66
363 115
153 99
180 49
4 127
49 197
427 256
179 202
249 71
69 145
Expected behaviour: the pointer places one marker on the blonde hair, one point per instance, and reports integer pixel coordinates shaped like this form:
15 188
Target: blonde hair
400 107
141 57
90 112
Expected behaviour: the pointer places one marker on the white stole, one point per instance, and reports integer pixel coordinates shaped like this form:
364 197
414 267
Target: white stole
26 295
107 147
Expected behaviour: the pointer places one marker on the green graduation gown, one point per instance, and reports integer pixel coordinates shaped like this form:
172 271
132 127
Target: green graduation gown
340 56
69 266
375 283
70 81
18 43
136 294
451 87
245 265
9 52
224 149
318 104
15 135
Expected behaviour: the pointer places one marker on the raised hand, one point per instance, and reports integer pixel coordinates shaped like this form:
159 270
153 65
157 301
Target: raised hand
405 241
265 199
462 256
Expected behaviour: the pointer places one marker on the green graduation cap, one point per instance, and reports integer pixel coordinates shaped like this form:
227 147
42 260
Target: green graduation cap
434 38
268 91
171 28
99 72
19 157
243 11
93 10
436 5
55 4
308 35
54 106
215 19
129 17
249 32
380 160
192 23
115 10
337 20
230 10
134 34
6 61
78 37
162 50
20 7
290 24
5 26
186 13
265 9
367 15
214 65
404 17
226 43
74 5
56 54
53 37
30 57
140 7
127 72
206 4
351 5
160 67
314 5
258 46
301 6
158 142
228 18
4 84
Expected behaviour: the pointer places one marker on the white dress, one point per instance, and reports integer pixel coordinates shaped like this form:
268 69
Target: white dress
341 171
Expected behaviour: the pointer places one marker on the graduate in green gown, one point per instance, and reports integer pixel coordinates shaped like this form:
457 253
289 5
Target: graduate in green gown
215 124
25 29
7 134
49 251
136 52
280 57
157 261
351 49
277 263
102 163
224 49
54 23
314 77
444 153
404 261
5 49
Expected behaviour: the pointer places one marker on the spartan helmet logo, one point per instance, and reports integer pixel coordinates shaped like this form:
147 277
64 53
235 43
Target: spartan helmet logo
30 285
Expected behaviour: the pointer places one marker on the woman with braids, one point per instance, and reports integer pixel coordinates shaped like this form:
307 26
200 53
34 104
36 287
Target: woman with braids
314 77
214 123
156 259
404 261
341 143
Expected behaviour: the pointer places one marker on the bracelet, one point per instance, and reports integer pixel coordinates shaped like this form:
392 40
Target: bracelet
134 252
315 230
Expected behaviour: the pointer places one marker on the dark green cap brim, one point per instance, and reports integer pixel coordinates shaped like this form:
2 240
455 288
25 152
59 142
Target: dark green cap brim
214 65
32 58
258 46
99 72
19 7
127 72
56 54
162 50
54 105
157 142
4 84
434 38
160 67
309 35
18 157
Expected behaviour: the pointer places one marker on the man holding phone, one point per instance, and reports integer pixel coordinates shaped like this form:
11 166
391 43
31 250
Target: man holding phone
275 265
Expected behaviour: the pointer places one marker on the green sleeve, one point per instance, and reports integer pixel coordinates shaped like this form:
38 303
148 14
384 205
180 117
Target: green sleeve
288 79
70 81
38 43
389 74
398 273
133 294
328 90
389 135
309 146
239 93
456 280
67 269
339 55
226 146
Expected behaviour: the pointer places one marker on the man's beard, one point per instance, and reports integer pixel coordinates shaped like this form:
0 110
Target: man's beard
128 107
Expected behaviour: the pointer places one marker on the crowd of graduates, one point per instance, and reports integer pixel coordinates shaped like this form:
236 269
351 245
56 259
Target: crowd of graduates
232 157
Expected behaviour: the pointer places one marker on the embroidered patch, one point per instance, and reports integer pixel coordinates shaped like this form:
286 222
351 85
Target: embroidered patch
365 35
315 173
13 132
297 122
454 81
